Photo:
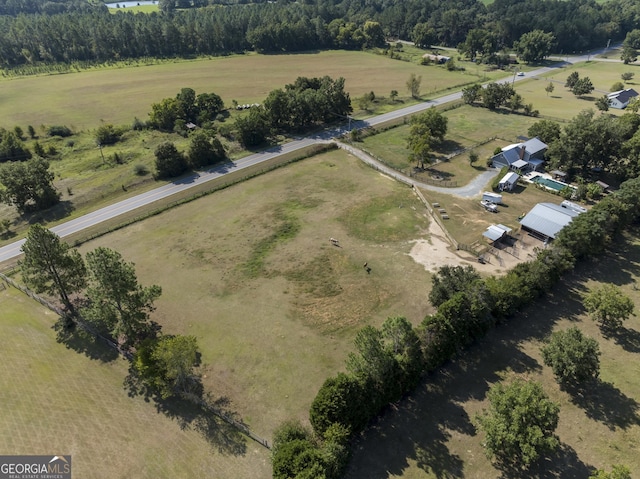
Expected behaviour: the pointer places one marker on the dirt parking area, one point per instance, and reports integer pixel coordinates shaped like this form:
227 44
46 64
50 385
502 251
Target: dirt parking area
435 252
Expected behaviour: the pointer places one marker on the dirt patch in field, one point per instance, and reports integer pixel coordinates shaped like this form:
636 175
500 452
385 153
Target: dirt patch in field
437 252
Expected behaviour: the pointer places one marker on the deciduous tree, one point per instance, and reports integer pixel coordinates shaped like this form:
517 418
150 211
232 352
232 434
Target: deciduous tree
572 79
167 365
534 46
342 400
205 149
450 280
494 95
28 185
472 93
549 88
608 305
573 357
519 424
253 128
51 266
603 103
108 134
423 35
582 87
627 76
169 161
425 130
619 471
547 130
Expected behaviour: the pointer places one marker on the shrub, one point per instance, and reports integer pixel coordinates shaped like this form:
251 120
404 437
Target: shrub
140 169
59 130
108 134
138 124
496 180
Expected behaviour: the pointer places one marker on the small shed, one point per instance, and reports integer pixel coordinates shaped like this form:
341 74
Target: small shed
496 232
559 175
508 181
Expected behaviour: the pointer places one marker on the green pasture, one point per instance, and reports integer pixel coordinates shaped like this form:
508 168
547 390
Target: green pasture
431 434
136 9
117 95
469 128
561 104
251 272
56 400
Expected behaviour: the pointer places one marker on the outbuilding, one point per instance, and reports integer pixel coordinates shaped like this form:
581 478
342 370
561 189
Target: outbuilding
545 220
508 181
495 233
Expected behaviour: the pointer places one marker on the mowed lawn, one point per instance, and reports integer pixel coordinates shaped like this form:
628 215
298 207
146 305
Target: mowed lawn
57 401
117 95
468 128
431 434
563 105
250 271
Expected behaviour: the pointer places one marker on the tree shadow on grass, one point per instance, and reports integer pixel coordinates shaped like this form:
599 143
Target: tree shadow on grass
628 339
605 403
222 436
414 431
82 342
563 464
196 413
57 212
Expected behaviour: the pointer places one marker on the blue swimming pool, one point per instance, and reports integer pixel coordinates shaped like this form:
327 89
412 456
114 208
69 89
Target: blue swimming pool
549 183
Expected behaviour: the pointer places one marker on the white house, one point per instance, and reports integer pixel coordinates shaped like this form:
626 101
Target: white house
620 99
508 181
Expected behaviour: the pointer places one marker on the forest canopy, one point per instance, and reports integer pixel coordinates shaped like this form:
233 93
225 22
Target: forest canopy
68 31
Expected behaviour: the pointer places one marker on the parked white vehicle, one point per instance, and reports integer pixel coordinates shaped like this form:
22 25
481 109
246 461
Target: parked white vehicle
489 206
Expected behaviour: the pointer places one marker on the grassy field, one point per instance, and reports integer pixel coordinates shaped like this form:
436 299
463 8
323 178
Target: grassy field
87 177
563 105
117 95
251 272
57 401
431 434
468 128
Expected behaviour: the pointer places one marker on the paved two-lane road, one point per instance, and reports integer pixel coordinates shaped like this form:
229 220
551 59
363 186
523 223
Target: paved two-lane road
12 250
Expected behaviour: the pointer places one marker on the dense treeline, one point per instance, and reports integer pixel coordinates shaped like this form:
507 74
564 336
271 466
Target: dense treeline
47 7
389 361
274 27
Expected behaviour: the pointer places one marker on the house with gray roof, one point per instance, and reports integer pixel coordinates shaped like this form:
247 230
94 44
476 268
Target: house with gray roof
527 156
621 98
545 220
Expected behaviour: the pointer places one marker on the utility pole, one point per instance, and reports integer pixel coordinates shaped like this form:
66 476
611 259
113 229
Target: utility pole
101 154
